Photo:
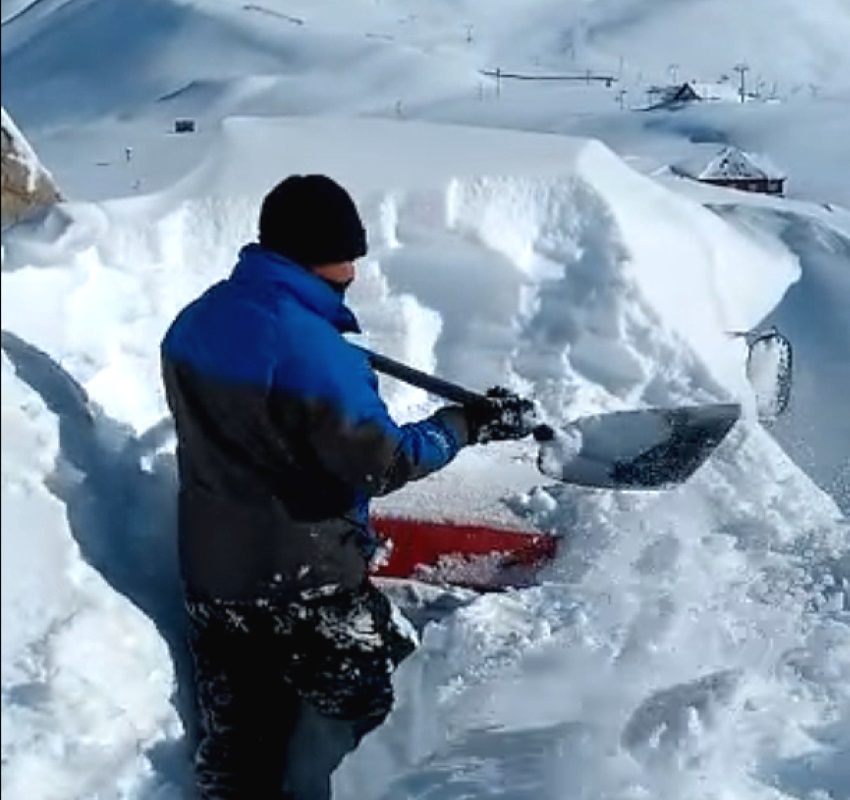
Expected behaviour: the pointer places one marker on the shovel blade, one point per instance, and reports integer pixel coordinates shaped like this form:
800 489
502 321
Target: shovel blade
653 448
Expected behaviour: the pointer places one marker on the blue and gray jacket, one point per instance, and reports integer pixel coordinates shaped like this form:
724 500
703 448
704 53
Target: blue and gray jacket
282 435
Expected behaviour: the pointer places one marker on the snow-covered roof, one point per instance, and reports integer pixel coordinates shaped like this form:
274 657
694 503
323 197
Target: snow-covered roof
690 91
729 164
717 90
674 95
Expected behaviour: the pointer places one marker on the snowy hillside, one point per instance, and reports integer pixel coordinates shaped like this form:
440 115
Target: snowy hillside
692 643
397 59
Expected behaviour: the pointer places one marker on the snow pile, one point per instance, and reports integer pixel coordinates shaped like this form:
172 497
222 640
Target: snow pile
686 644
74 639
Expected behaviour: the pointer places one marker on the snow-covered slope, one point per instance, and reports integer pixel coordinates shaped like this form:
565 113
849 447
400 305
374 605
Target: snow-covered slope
686 644
390 59
814 313
164 48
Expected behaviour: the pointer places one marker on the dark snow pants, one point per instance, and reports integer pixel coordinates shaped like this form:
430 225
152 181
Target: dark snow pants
286 690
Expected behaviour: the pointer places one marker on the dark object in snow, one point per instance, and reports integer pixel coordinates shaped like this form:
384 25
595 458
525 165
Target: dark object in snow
184 126
473 556
674 97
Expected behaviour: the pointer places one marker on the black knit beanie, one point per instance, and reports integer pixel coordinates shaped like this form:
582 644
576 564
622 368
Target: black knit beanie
312 220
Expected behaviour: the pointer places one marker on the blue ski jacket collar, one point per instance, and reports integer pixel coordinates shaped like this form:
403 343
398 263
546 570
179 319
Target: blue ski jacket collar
257 264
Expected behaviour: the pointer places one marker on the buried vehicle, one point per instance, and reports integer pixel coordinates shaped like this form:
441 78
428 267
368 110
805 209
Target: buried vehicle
486 547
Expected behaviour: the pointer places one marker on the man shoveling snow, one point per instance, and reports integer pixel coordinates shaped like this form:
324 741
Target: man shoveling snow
282 441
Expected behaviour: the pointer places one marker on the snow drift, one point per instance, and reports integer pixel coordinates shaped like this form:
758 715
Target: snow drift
686 644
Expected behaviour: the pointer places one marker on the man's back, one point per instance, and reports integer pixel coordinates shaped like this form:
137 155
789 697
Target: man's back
282 434
240 365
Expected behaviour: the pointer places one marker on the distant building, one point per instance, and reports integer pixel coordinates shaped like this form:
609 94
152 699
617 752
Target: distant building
685 93
681 95
184 126
736 169
674 96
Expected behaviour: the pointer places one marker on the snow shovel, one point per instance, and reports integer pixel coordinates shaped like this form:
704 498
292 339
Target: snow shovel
652 448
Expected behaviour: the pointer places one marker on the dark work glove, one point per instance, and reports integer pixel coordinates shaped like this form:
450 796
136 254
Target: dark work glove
499 416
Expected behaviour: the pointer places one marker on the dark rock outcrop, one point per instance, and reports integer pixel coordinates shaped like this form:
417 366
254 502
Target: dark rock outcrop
26 185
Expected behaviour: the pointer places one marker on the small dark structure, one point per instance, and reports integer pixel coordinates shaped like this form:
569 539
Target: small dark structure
184 126
737 169
682 94
674 96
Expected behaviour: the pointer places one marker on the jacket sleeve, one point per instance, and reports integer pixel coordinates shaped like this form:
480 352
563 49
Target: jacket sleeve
354 437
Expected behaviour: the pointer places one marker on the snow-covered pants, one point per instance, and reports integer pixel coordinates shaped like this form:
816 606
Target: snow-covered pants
286 689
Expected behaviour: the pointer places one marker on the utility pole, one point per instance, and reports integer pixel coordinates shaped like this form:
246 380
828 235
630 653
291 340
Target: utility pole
498 81
621 99
742 70
673 71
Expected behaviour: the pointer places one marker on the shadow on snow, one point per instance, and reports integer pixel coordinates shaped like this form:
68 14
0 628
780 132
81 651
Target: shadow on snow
120 498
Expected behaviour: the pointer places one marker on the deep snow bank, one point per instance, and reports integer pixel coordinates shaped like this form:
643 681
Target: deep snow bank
572 218
816 430
86 677
546 264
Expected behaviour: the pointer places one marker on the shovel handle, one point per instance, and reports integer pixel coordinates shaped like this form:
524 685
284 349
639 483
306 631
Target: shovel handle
438 386
422 380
